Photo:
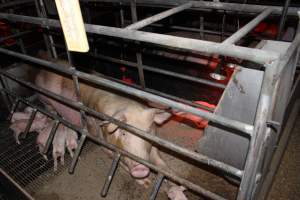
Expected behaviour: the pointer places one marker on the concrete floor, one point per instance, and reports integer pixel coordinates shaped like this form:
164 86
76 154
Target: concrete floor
90 173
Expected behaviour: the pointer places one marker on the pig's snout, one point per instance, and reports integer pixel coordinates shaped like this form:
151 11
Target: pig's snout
140 171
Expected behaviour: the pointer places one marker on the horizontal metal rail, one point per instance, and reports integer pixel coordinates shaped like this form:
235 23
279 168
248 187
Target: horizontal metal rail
161 71
15 35
248 27
236 125
15 3
150 137
199 5
160 16
111 147
255 55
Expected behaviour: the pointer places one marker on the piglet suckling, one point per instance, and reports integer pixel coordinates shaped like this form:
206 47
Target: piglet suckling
63 138
71 141
21 119
122 108
59 146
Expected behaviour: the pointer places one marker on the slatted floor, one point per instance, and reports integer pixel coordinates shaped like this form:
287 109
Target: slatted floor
23 162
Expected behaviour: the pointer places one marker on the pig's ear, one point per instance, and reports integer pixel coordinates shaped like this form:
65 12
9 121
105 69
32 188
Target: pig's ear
160 116
111 127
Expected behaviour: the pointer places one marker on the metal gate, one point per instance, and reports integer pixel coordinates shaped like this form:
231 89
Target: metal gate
278 69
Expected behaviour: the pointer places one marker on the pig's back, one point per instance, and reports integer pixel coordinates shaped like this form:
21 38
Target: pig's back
107 102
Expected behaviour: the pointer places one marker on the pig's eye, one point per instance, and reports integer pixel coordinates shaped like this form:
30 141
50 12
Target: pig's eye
123 133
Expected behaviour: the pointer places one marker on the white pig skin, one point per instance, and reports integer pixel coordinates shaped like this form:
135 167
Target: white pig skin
124 109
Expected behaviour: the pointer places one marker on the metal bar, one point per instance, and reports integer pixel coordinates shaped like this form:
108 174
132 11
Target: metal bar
157 184
15 35
160 16
236 125
28 126
161 71
175 98
78 151
111 147
138 53
41 11
204 5
255 55
14 3
269 90
248 27
283 18
13 109
150 137
201 31
51 136
110 175
6 98
251 166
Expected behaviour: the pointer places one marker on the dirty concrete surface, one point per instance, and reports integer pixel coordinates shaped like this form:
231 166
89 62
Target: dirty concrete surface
89 176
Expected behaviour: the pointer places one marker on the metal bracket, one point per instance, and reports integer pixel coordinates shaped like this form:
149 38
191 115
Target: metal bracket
274 125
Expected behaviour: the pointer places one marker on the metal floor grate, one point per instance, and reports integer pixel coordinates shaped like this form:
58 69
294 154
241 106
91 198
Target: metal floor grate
23 162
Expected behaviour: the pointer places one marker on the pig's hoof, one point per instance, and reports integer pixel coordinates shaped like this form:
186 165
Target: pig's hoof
146 182
176 193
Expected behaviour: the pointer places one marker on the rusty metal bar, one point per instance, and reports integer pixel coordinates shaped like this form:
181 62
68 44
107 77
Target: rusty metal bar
157 184
235 125
111 147
160 16
255 55
149 137
51 136
111 173
78 151
248 27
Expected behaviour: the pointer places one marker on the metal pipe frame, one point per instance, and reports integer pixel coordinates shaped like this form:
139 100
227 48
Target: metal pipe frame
236 125
161 71
166 173
283 18
77 105
14 36
255 55
204 5
248 27
160 16
14 3
262 130
259 132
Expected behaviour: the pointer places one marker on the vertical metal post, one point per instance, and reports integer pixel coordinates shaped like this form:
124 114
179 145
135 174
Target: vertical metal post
252 174
157 184
283 18
138 54
6 98
83 118
41 11
111 173
223 25
51 136
29 123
